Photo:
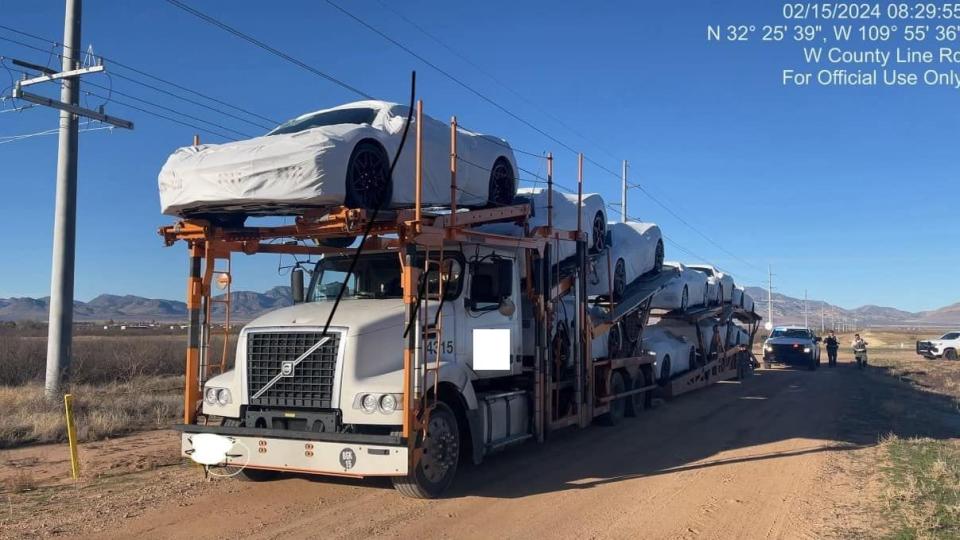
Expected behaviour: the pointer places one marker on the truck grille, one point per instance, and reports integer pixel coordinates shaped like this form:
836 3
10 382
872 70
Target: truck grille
789 353
310 385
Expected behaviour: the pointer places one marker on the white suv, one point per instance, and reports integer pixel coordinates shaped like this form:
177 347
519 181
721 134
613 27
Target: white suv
945 347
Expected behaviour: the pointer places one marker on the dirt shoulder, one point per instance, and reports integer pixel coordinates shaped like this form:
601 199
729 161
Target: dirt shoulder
783 455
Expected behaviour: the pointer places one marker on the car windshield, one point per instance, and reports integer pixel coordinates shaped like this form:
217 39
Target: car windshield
790 333
377 275
358 115
951 335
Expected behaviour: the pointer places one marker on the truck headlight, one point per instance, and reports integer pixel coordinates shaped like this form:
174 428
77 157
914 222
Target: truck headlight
369 403
806 349
223 396
210 396
768 348
388 403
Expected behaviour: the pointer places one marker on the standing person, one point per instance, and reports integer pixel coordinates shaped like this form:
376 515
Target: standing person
860 350
832 344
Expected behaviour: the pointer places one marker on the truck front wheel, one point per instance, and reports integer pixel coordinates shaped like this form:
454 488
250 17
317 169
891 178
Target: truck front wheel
437 466
950 354
256 475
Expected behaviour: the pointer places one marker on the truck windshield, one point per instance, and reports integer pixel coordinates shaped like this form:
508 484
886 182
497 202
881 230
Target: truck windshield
377 275
790 333
951 336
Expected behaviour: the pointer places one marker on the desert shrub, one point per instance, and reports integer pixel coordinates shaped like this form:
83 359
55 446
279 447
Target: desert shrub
100 410
100 359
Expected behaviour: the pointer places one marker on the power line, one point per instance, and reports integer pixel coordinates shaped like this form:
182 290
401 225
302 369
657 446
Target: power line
489 100
694 229
447 75
109 98
489 75
14 138
264 46
272 123
188 100
162 116
168 109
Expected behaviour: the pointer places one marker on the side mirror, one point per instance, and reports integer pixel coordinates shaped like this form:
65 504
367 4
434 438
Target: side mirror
506 307
296 285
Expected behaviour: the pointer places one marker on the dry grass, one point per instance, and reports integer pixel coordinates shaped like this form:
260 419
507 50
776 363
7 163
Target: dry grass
923 487
120 384
22 481
102 410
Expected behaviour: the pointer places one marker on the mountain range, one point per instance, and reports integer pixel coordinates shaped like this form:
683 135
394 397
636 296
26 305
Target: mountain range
789 310
247 305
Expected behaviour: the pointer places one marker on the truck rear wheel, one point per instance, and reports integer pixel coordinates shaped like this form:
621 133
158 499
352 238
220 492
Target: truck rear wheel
641 400
437 466
618 407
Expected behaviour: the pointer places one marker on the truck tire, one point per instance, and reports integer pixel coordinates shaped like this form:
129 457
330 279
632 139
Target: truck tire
665 372
639 401
618 407
950 354
434 472
812 363
247 474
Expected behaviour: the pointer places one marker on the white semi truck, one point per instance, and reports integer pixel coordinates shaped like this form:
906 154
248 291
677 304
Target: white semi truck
429 356
428 342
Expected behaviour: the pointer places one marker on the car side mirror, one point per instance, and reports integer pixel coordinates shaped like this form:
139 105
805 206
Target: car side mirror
507 307
296 285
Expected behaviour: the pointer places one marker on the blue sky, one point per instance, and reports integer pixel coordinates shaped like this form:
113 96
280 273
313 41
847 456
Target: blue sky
848 192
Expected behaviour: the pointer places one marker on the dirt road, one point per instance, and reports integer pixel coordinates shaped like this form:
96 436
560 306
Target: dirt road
768 458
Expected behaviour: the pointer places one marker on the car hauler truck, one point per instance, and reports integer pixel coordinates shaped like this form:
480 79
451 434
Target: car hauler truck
426 342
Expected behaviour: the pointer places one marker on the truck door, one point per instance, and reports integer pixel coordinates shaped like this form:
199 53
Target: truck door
491 314
452 275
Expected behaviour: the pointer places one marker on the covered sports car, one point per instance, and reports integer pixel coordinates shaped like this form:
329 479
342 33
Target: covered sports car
675 354
593 219
742 299
338 156
720 283
688 289
636 249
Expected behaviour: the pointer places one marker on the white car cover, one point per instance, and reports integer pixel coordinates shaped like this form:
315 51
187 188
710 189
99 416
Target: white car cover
285 173
671 295
594 219
742 299
722 280
708 330
736 335
633 246
669 348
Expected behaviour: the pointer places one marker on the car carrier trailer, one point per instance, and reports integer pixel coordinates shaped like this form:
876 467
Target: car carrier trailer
471 343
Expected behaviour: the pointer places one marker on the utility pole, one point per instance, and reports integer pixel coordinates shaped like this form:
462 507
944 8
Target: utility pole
60 329
770 294
623 193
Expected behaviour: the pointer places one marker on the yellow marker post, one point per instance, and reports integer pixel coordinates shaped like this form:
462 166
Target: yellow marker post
72 437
